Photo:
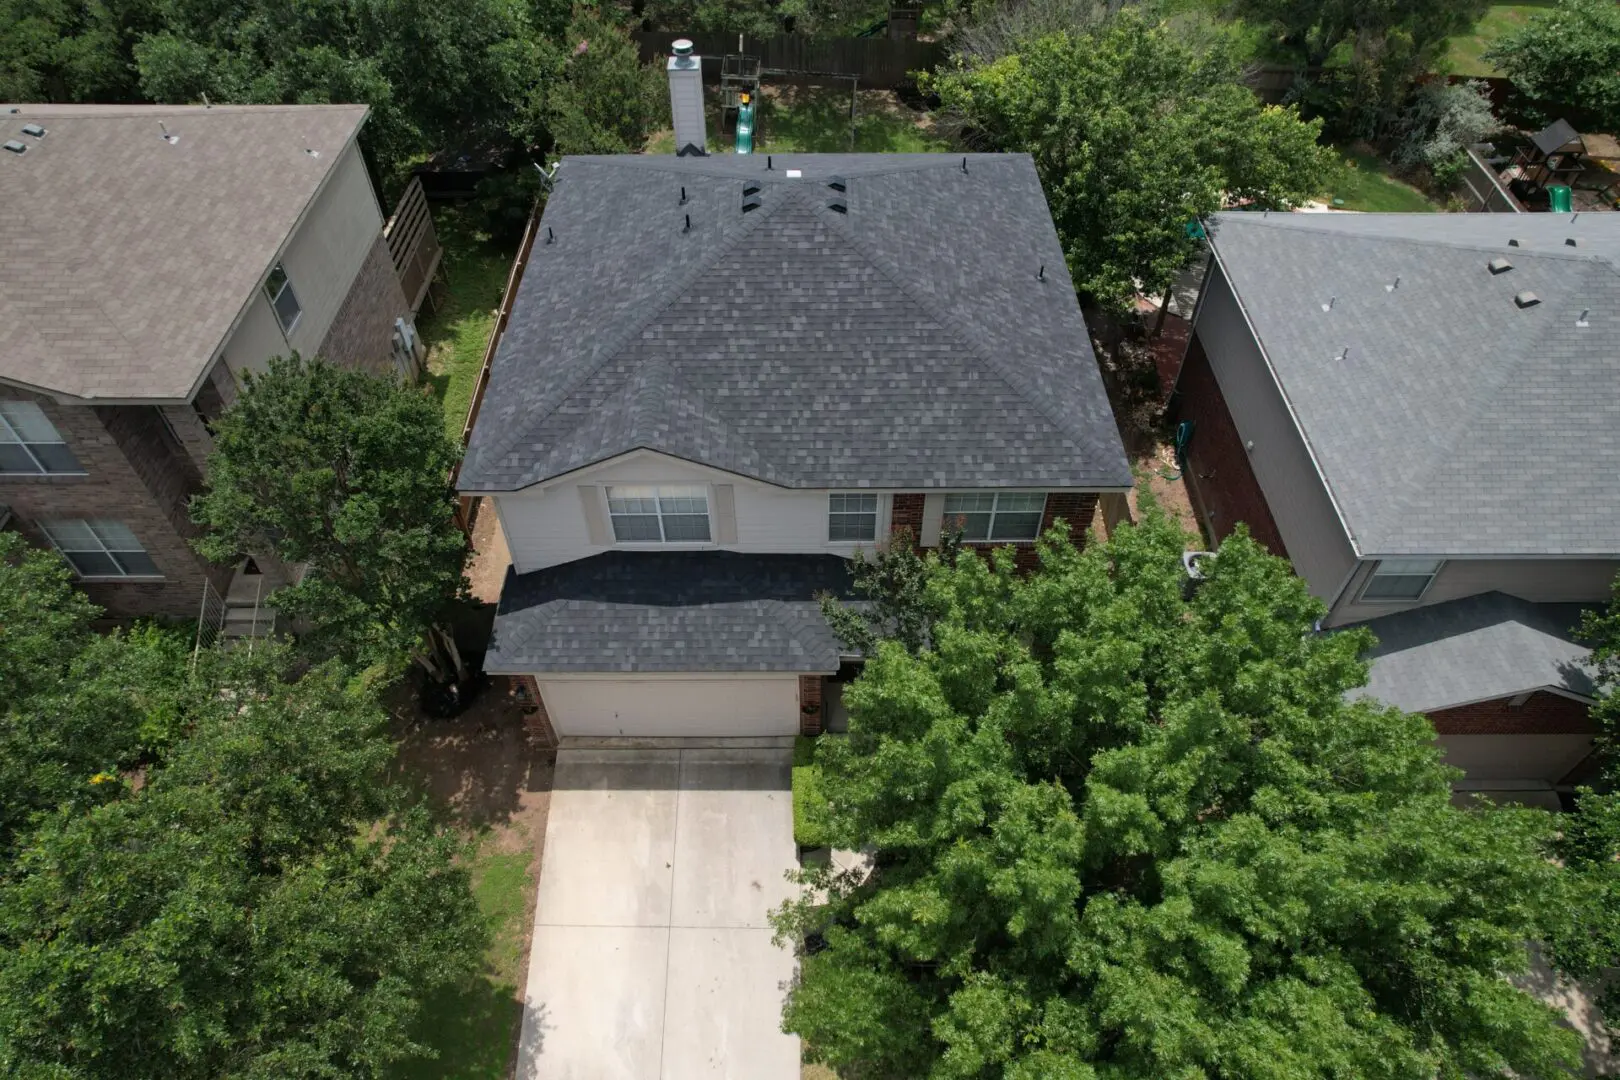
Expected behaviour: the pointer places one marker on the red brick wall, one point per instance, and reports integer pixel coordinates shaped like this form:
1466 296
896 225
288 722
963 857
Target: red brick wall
362 334
810 705
1541 714
1222 482
535 720
907 513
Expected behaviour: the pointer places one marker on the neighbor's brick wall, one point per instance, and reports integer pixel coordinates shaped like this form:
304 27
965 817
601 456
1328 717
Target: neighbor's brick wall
362 334
192 432
1542 714
1219 475
536 722
810 708
146 492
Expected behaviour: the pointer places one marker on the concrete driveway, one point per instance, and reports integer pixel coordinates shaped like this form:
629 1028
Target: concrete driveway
652 955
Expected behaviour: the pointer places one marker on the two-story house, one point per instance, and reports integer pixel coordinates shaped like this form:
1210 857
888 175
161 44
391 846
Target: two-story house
725 376
149 256
1422 412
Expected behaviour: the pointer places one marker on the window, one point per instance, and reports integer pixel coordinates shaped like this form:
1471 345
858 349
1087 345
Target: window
1401 579
29 443
101 548
851 517
659 515
283 299
999 515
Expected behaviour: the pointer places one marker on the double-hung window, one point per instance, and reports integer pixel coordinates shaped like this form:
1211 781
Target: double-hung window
995 516
851 518
100 548
29 443
659 515
1401 579
282 298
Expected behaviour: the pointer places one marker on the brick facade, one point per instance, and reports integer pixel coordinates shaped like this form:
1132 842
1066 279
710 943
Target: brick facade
362 334
1219 475
906 513
810 708
535 719
1076 508
137 473
1542 713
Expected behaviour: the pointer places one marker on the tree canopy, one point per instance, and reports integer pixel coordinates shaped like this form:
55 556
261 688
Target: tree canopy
600 99
349 474
1568 57
1136 133
1117 833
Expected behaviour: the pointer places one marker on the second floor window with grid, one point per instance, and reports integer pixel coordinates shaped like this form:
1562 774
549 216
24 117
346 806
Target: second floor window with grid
992 516
29 443
282 298
851 517
100 548
659 515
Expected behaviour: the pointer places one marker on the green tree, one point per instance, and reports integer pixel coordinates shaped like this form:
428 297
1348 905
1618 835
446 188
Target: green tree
347 473
263 906
1568 57
600 97
1117 833
1136 134
60 50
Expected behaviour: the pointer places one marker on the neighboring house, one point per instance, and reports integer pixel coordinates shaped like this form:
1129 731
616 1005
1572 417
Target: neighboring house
152 255
723 377
1422 412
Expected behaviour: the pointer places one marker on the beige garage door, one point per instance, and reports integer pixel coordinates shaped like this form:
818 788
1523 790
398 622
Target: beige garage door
1515 757
675 706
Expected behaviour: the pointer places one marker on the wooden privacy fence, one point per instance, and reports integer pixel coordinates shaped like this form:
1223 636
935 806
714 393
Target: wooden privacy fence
879 64
413 244
467 505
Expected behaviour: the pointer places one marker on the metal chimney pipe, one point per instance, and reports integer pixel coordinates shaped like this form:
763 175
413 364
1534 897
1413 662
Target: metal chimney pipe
685 71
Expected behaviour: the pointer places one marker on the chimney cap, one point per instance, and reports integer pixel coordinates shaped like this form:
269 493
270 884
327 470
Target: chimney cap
682 47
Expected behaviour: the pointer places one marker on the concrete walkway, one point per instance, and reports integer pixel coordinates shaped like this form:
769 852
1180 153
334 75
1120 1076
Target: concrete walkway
652 955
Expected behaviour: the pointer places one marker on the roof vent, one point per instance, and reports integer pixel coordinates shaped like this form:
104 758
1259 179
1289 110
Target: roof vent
1499 265
751 203
838 206
837 183
1585 320
15 147
1515 242
35 130
750 187
1526 299
1569 241
170 139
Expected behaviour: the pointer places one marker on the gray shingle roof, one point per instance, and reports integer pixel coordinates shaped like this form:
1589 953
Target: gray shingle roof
1459 423
629 611
906 343
124 258
1475 649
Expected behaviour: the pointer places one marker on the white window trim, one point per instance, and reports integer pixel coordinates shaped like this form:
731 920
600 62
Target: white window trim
663 545
1363 598
105 550
26 447
286 286
946 515
877 518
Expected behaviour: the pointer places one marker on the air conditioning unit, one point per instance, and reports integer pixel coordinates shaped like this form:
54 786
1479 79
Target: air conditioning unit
1192 562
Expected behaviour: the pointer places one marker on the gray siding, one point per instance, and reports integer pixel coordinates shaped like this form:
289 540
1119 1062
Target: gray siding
1542 581
1299 502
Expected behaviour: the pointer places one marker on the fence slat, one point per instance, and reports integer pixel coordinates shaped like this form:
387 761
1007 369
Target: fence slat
879 63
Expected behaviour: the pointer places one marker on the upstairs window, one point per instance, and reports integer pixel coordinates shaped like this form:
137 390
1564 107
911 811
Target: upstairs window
1401 579
282 299
100 549
659 515
29 443
851 518
995 516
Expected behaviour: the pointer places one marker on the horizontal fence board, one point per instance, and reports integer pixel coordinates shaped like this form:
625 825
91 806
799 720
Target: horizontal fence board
878 63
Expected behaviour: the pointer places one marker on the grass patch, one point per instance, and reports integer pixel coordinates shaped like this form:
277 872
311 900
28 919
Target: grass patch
1365 183
809 830
474 1027
1466 53
456 334
816 120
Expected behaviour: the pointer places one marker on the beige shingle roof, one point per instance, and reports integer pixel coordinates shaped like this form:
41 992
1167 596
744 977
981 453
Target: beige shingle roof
125 258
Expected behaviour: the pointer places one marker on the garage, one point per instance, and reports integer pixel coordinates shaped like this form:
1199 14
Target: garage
1544 758
673 706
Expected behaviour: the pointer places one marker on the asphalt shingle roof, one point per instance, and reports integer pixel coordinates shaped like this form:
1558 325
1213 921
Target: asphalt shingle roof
125 258
1459 423
1475 649
639 611
908 342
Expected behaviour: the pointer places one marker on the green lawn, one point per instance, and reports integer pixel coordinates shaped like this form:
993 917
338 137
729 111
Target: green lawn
1465 57
475 269
816 120
474 1028
1365 184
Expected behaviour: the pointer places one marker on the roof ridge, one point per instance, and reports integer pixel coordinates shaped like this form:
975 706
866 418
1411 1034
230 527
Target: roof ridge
948 320
611 348
900 163
1454 245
